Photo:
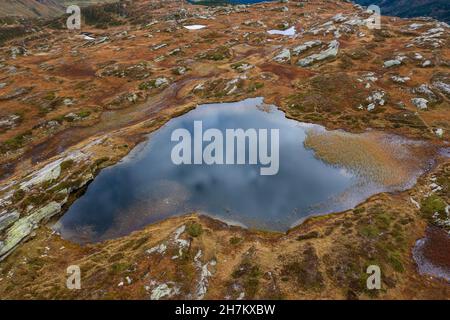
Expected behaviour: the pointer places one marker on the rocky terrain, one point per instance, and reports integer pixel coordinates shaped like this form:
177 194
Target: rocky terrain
73 103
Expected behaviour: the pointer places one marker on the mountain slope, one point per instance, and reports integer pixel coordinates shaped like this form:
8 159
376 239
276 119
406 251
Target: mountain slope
30 8
439 9
40 8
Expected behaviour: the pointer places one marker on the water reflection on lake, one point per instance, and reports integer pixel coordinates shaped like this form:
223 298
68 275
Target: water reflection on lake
146 186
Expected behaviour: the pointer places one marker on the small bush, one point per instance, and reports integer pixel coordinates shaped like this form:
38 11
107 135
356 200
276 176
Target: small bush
194 229
84 114
118 268
369 231
18 195
307 236
67 164
218 54
431 205
394 260
235 240
16 142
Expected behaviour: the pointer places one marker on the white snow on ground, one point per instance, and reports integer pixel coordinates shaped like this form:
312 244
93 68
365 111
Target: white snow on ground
288 32
195 27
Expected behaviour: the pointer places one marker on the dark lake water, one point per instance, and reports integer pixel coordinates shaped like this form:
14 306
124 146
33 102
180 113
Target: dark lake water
146 186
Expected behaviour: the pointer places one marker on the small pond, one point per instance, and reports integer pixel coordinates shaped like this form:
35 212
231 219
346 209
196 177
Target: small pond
146 186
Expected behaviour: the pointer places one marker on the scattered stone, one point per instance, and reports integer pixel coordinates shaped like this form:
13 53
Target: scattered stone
161 249
415 202
51 124
439 132
174 52
180 70
371 106
415 26
24 226
399 79
377 98
159 82
427 63
330 52
426 91
442 87
242 67
16 51
68 102
420 103
371 77
9 122
418 56
392 63
159 46
306 46
255 24
339 18
15 93
163 290
283 56
431 38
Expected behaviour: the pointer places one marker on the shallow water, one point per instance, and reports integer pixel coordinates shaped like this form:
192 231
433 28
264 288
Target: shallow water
146 186
431 254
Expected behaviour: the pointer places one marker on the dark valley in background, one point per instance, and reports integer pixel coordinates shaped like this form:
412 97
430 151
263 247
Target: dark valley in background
439 9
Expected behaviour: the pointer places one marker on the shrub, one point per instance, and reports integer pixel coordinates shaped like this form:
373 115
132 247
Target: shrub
310 235
9 33
84 114
394 260
67 164
369 231
16 142
18 195
235 240
431 205
194 229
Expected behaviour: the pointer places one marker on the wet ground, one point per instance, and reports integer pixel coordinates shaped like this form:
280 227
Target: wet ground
431 253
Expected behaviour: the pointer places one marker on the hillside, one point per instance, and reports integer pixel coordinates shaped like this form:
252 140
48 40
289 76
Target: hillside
30 8
40 8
